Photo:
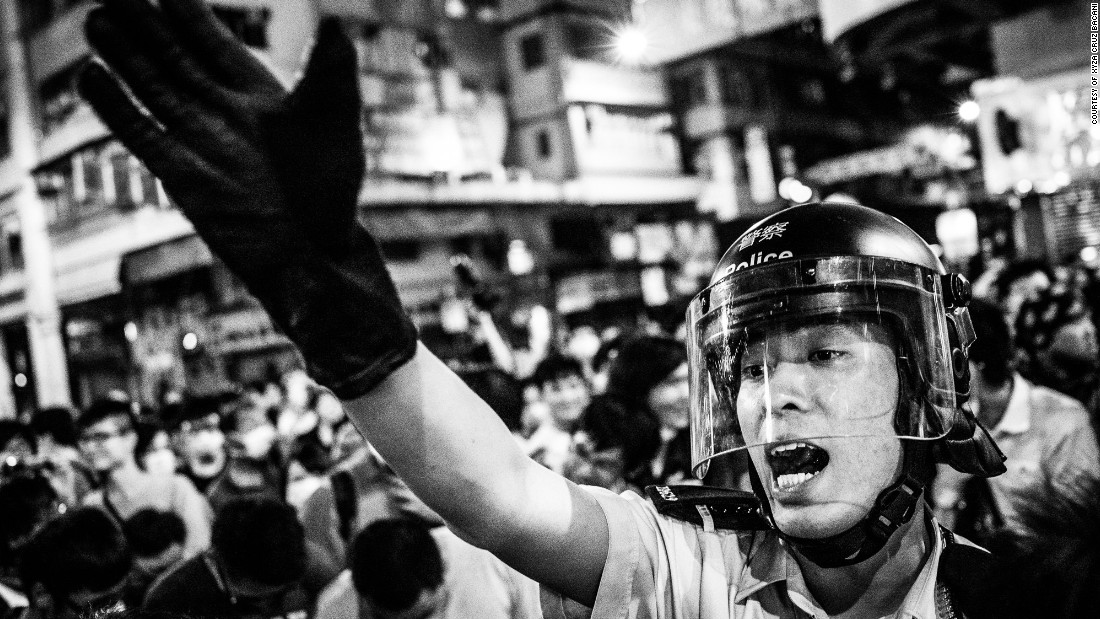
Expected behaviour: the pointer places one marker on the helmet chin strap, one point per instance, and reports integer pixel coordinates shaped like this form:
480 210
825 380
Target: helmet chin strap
894 507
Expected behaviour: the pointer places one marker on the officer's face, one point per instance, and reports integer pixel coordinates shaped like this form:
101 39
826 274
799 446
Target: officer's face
802 382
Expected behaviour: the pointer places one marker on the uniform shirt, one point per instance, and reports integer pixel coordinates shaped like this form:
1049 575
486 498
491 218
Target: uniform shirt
479 586
660 568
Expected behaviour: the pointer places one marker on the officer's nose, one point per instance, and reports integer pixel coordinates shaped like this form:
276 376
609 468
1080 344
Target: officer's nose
788 388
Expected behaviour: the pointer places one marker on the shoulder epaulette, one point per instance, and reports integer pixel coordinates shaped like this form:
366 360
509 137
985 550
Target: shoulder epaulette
710 507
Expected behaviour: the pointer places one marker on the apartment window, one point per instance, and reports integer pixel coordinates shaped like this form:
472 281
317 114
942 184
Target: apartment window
54 186
59 98
35 14
532 50
249 25
14 245
400 251
586 40
543 144
689 88
5 135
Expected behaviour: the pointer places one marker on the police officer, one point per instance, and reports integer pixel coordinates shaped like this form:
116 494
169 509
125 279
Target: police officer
831 346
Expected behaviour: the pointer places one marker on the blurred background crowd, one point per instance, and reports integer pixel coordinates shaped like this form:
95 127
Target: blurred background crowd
266 501
550 181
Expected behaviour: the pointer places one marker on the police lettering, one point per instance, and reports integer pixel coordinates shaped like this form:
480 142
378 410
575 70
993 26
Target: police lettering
667 493
758 258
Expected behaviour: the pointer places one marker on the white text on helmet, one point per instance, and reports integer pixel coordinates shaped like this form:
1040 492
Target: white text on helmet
758 258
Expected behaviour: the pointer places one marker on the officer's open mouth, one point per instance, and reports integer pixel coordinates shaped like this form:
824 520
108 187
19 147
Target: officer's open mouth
795 463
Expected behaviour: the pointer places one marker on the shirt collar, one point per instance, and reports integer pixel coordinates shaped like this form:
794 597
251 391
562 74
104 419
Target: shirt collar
1017 417
769 563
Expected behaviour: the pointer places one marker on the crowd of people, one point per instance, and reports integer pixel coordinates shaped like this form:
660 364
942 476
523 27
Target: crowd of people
269 502
839 386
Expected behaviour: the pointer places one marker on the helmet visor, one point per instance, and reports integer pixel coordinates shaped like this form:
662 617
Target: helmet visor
840 347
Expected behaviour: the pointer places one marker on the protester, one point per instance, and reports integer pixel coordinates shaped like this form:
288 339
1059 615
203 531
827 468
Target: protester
839 306
647 398
154 449
563 392
54 431
255 465
17 444
76 566
1020 282
194 430
108 440
253 568
1058 339
403 568
1043 514
503 393
360 491
156 540
28 501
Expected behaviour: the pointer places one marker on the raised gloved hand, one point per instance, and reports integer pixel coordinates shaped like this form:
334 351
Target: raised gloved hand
269 178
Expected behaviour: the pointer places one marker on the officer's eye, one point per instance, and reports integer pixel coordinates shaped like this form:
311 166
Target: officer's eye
826 355
752 371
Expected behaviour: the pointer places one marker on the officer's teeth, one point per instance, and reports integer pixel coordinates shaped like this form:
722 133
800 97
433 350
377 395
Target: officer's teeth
790 480
788 447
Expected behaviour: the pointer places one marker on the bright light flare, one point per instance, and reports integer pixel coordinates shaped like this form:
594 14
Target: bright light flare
190 341
968 111
631 44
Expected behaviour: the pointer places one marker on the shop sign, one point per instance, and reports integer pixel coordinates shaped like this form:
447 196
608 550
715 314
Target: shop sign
1037 134
244 331
924 152
581 291
839 16
680 28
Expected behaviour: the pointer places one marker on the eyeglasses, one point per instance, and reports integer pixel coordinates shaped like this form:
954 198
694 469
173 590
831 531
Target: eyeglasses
199 426
101 437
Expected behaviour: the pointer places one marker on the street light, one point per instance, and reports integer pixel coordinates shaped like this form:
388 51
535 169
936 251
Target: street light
631 44
968 111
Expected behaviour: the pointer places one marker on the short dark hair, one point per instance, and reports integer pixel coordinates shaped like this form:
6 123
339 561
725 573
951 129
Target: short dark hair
1019 269
151 531
555 367
58 422
501 391
147 430
81 550
106 408
393 561
192 407
992 350
260 537
26 502
11 429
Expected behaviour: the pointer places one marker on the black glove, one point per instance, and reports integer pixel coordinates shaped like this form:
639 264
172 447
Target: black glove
270 179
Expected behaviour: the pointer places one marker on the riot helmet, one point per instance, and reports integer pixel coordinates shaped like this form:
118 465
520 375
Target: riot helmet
833 322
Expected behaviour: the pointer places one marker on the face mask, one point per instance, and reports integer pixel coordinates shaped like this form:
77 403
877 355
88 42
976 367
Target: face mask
257 442
161 462
206 453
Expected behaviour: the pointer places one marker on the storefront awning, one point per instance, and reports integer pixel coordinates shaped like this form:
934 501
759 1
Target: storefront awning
165 260
84 281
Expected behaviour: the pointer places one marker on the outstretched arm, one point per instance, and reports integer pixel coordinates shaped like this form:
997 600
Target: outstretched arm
456 454
270 180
